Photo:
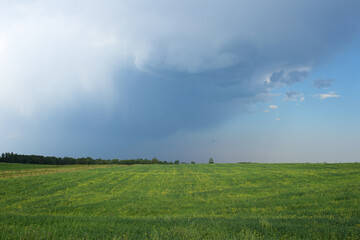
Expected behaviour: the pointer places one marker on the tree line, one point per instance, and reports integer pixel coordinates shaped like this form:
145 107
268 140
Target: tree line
38 159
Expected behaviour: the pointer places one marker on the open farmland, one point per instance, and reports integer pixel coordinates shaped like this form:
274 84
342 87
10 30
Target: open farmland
10 170
201 201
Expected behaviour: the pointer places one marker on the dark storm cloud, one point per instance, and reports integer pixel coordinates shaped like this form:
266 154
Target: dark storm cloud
155 105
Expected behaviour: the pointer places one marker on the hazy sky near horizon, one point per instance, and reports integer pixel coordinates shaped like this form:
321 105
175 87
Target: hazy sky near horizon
257 81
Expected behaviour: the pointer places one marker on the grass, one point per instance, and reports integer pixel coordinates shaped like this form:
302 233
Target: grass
201 201
18 166
10 170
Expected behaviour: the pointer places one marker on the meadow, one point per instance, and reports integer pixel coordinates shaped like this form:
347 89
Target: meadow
186 201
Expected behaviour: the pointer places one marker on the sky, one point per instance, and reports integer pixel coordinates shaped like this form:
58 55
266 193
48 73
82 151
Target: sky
238 81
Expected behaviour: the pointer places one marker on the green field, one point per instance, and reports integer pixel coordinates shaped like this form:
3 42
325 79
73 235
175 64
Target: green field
18 166
10 170
201 201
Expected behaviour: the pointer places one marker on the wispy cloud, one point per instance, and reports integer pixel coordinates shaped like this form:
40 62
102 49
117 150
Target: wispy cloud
326 95
293 96
281 78
323 83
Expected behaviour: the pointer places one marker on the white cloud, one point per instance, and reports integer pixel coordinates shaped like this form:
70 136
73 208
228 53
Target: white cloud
326 95
273 107
51 61
277 119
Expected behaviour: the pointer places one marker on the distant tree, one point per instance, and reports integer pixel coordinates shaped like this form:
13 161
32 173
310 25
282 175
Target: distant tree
192 162
177 161
154 161
115 161
37 159
211 160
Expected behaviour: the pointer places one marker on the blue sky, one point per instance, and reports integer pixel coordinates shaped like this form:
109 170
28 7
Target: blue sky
275 81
